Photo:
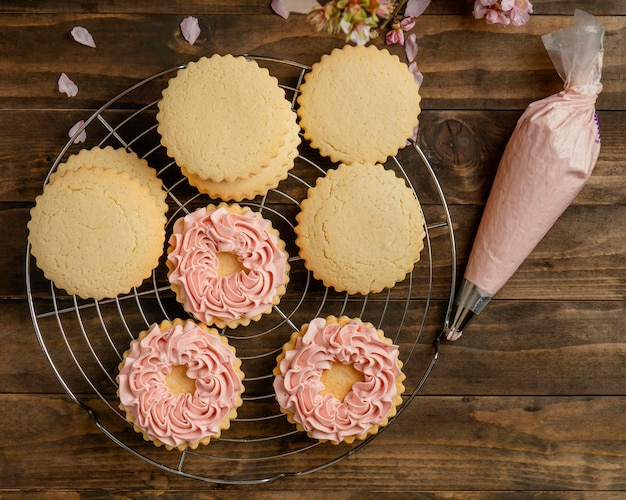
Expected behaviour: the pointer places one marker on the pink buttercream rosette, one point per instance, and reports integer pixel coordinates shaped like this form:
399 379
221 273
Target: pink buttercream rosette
193 260
185 419
313 350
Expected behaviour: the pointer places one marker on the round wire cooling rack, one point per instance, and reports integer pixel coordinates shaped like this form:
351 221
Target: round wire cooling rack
84 340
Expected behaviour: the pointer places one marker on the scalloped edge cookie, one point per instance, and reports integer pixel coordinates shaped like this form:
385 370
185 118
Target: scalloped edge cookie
96 233
359 104
360 229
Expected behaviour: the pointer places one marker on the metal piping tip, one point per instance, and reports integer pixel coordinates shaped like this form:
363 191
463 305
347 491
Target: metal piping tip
463 316
470 301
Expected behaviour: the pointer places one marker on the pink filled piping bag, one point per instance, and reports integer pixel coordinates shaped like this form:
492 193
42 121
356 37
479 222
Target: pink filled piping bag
545 164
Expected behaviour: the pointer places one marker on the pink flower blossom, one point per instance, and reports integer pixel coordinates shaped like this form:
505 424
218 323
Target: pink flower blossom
358 32
396 33
325 18
67 86
190 29
382 8
504 12
354 18
520 13
394 36
80 137
81 35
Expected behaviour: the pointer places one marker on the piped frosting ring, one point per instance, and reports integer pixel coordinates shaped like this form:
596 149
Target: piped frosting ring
369 403
183 418
232 298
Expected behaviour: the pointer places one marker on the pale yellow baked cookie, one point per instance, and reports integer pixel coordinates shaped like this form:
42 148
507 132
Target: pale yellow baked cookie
119 160
96 233
255 184
359 104
360 229
223 118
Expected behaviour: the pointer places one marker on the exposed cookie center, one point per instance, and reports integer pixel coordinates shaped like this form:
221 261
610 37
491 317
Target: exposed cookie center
339 379
228 263
178 382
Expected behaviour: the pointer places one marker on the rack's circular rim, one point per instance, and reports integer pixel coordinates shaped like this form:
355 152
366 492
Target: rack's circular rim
111 435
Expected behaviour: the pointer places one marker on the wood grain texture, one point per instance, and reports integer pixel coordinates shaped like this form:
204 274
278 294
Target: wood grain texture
523 348
250 7
502 79
562 266
439 444
464 147
528 404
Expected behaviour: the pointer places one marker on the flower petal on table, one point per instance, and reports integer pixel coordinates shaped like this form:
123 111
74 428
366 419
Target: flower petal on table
67 86
190 29
410 47
415 8
81 35
417 74
80 137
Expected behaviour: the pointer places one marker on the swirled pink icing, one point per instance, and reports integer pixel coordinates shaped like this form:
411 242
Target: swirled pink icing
185 418
298 386
199 237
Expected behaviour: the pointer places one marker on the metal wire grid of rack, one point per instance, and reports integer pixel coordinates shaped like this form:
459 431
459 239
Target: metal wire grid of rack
84 341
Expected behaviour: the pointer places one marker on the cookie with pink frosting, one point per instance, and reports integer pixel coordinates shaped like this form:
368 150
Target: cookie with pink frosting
339 379
227 265
180 384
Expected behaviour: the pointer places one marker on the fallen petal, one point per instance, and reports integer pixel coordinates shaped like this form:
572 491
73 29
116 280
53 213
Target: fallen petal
190 29
80 137
285 7
81 35
417 74
67 86
415 8
410 47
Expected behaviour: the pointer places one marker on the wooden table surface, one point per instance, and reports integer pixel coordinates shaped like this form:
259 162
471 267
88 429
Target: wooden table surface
530 402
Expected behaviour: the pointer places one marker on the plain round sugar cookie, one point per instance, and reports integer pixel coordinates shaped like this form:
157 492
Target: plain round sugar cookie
359 104
180 384
117 159
255 184
223 118
96 233
360 229
339 379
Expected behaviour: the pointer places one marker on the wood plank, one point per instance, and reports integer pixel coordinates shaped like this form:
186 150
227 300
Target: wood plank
517 443
529 403
463 147
446 44
562 267
514 347
516 77
247 7
541 7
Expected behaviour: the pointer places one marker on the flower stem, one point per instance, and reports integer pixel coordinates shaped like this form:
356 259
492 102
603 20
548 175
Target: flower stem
393 14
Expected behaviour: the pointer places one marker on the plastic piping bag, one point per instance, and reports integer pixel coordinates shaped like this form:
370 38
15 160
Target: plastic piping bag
546 162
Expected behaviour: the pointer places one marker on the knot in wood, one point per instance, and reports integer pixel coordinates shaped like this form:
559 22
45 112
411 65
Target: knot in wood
456 143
